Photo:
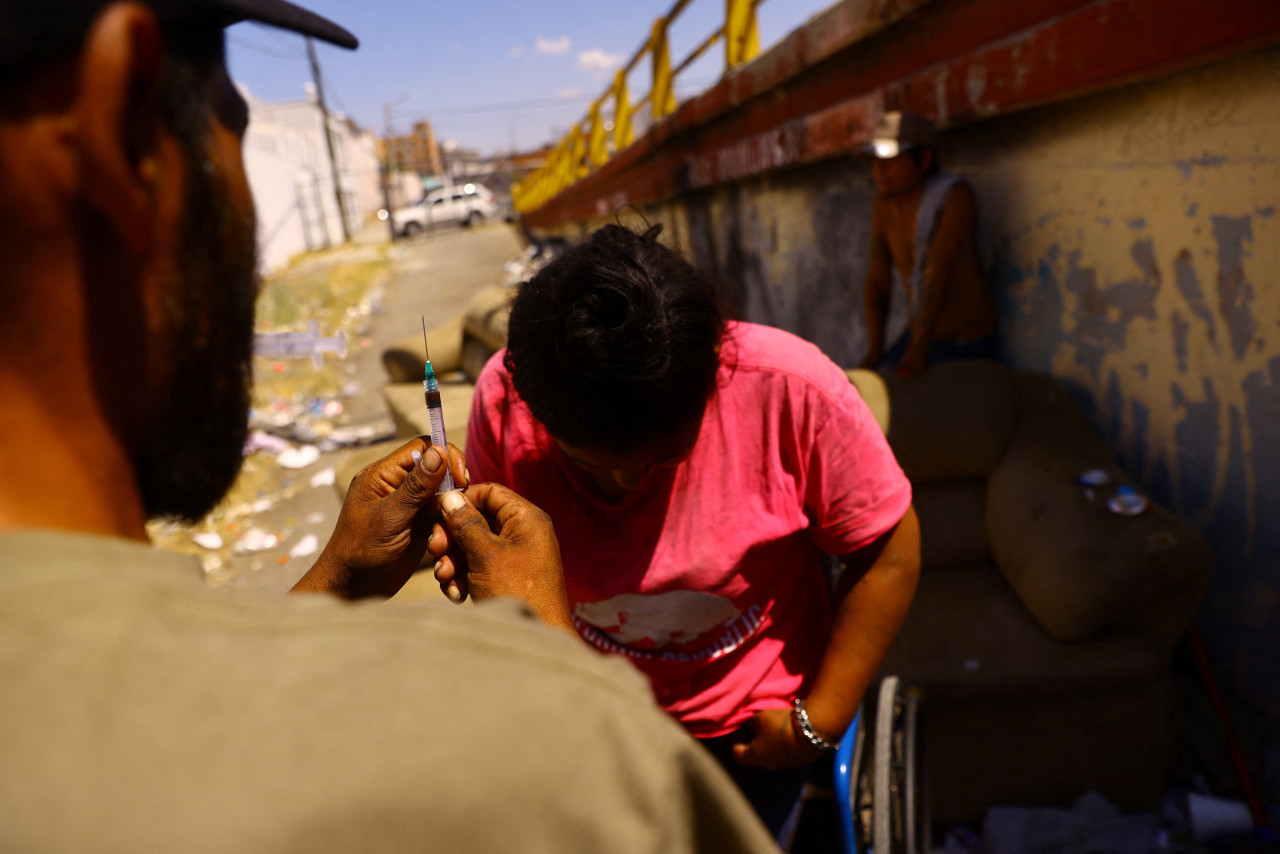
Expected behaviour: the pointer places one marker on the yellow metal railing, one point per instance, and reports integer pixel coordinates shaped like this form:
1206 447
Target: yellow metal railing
588 145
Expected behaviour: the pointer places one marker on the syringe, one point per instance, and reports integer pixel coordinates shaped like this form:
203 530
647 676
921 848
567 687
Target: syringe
435 412
294 345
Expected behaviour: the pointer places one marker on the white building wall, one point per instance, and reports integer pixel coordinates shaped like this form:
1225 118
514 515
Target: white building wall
289 171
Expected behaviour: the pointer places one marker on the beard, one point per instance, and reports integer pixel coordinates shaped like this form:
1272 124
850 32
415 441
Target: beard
195 447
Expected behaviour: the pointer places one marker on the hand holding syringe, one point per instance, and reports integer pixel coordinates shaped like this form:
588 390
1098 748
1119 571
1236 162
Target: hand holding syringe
296 345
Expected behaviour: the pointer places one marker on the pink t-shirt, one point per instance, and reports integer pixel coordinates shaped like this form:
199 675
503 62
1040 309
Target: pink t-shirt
707 575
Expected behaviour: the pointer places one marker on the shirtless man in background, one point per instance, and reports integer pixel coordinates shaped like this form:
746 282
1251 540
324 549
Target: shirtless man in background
923 230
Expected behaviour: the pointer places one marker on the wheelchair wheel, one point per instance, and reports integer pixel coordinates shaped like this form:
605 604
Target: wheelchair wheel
899 812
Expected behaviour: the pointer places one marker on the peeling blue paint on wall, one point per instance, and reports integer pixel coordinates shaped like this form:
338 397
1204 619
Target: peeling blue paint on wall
1141 417
1029 301
1205 161
1235 295
1180 329
1228 527
1188 282
1104 314
1197 439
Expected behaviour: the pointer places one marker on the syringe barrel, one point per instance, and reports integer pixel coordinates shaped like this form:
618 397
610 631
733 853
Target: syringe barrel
435 417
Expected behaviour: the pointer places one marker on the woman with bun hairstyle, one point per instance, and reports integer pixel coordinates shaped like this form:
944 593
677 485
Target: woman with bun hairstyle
697 469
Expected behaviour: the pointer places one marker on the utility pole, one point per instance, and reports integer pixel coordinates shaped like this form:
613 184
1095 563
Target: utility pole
328 138
386 168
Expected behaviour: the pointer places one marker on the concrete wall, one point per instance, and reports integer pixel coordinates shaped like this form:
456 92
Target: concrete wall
1134 244
1136 248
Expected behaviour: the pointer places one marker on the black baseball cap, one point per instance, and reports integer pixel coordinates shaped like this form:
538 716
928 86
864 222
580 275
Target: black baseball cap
31 29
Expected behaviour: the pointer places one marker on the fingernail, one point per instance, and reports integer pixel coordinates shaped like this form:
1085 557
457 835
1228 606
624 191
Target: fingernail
431 460
454 592
417 456
466 475
452 501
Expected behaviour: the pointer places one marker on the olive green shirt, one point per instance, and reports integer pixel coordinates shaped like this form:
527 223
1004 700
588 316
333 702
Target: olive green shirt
142 710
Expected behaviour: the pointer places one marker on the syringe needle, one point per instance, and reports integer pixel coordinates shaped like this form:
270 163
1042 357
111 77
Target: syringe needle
424 337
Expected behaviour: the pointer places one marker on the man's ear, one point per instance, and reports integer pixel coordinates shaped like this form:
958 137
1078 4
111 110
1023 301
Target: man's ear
117 118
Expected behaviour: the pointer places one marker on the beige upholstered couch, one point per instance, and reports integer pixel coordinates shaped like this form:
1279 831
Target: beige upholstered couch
1043 626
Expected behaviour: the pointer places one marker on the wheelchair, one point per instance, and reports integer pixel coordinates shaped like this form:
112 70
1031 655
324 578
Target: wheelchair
878 776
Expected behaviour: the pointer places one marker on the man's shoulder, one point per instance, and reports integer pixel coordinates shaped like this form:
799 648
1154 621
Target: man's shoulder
312 724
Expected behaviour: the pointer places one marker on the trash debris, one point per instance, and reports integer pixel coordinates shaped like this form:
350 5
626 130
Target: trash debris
1093 824
1211 818
260 441
1127 502
324 477
298 458
211 540
308 545
361 434
255 540
316 518
1093 477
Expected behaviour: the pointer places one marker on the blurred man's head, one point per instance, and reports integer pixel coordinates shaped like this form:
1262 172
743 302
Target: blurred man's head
904 148
121 170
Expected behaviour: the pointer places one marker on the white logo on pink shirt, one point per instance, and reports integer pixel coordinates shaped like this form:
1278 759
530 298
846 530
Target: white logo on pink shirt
643 625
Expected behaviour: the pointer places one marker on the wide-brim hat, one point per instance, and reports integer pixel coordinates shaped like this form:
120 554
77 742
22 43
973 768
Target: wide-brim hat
31 29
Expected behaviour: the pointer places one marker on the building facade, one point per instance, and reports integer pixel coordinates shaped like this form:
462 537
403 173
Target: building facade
292 176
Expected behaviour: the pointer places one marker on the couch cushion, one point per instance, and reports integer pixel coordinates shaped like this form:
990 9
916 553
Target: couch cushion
954 421
953 528
1077 567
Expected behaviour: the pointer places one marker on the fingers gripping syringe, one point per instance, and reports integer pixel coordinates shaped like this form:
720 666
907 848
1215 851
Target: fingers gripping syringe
296 345
435 413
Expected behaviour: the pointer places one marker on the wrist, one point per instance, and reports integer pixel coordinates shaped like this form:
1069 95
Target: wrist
327 575
807 732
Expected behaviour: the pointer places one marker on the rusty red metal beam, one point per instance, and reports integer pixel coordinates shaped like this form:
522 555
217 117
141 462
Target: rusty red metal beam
1106 44
815 95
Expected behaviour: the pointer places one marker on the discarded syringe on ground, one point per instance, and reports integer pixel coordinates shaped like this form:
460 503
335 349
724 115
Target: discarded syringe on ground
297 345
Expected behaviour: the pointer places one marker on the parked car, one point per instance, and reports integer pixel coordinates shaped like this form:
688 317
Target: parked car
466 204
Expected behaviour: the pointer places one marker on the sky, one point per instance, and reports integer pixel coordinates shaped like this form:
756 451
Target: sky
488 74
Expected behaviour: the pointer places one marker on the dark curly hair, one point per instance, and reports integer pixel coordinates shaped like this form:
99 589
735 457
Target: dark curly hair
614 345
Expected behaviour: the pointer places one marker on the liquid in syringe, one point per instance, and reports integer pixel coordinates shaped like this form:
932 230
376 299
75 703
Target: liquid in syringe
435 413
